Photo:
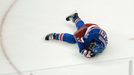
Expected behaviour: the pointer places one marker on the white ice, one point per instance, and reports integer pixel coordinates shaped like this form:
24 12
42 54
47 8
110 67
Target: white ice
30 20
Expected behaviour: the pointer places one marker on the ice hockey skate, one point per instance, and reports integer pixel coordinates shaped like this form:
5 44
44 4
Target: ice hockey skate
72 17
50 36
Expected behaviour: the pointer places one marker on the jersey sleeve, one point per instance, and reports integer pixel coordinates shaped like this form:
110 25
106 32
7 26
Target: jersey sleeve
86 42
81 47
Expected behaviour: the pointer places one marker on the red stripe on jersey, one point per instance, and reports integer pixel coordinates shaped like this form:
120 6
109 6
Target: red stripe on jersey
61 36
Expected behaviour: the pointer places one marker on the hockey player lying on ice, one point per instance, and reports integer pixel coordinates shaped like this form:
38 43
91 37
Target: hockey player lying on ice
91 39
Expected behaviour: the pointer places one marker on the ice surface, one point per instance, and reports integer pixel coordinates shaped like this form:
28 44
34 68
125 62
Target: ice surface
30 20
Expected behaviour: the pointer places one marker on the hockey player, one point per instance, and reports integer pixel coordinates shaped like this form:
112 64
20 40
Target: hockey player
91 39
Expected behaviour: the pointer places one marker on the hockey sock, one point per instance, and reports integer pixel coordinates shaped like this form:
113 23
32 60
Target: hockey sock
59 36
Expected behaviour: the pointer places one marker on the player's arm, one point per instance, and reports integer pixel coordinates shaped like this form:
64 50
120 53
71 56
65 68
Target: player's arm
89 44
86 51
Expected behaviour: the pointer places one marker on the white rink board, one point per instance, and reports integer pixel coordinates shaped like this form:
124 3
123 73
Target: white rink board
30 20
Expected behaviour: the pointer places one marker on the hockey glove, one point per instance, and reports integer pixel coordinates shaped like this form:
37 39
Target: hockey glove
88 53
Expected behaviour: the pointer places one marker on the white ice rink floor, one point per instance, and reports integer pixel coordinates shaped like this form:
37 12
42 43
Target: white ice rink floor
25 23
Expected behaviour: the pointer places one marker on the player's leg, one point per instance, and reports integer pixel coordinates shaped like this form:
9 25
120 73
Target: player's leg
69 38
75 19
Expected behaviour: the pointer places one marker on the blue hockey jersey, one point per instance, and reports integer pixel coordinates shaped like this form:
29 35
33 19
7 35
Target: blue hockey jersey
88 33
